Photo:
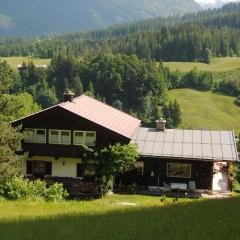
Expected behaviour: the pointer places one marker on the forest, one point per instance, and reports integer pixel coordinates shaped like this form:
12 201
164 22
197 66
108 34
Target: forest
123 59
137 87
162 39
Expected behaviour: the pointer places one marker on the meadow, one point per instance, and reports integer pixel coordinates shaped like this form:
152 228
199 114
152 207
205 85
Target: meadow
147 218
218 65
224 64
205 110
15 61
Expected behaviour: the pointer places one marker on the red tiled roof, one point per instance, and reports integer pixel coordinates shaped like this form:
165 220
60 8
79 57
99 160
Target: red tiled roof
103 115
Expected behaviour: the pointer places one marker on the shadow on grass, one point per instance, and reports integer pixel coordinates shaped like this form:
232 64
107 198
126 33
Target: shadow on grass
206 220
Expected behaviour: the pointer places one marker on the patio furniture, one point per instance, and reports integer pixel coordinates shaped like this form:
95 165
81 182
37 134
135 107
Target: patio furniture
178 186
192 186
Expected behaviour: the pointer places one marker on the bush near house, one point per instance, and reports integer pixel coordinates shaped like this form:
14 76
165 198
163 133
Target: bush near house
19 188
237 101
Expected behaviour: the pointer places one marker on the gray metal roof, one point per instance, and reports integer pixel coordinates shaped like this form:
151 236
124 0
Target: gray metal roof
189 144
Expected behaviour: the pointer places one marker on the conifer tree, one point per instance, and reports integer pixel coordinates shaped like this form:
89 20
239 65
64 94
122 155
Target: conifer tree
90 89
176 113
207 56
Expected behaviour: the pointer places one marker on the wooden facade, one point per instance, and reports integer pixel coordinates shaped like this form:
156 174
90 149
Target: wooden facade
154 173
58 118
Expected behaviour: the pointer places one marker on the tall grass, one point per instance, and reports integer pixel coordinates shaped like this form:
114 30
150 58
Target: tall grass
108 219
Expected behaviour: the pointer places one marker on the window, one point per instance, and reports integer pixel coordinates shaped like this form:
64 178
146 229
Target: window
30 135
60 137
78 138
38 168
54 136
83 137
29 167
179 170
89 170
35 136
90 138
80 170
66 137
40 136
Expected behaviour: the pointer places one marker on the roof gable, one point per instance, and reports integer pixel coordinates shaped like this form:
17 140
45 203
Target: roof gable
98 113
103 115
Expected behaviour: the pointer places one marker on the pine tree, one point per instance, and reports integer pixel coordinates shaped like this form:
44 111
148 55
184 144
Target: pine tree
207 56
176 113
90 89
65 84
77 85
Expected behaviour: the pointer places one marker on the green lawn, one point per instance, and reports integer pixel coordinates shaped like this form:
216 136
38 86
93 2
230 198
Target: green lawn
14 61
205 110
107 220
224 64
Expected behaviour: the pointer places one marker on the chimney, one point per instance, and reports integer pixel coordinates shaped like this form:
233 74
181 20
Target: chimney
160 125
68 96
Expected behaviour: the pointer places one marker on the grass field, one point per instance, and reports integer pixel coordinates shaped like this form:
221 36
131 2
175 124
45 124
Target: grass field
107 220
218 65
224 64
14 61
204 110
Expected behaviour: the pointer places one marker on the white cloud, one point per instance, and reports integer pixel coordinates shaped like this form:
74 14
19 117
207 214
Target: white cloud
206 1
214 1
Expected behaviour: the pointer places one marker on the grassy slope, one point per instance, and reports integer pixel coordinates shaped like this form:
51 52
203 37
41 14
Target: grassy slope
224 64
14 61
106 220
206 110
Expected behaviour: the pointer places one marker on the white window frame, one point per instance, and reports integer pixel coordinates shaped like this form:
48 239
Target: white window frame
59 137
30 137
75 142
69 139
89 143
34 138
84 138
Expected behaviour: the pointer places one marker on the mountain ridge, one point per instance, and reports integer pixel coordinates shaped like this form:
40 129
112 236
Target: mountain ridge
40 17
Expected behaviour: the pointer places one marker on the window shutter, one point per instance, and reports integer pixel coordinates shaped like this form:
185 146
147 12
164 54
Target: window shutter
80 170
29 167
48 168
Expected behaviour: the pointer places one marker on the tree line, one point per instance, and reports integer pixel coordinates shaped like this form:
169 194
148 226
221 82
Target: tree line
136 86
184 38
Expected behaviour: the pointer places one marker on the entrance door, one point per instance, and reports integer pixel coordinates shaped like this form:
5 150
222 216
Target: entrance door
155 174
220 177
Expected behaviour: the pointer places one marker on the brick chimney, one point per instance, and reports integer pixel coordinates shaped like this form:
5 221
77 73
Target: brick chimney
68 96
160 125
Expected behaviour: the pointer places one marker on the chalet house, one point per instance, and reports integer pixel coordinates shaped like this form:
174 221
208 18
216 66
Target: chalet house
167 156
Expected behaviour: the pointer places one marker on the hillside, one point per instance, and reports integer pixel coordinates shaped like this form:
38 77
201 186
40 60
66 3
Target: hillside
204 110
30 18
224 64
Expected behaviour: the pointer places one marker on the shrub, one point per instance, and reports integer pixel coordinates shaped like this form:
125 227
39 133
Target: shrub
237 101
235 173
56 192
21 188
18 188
